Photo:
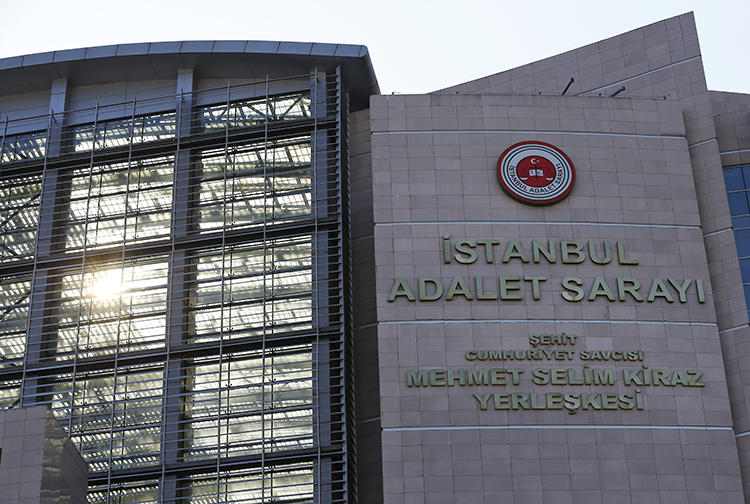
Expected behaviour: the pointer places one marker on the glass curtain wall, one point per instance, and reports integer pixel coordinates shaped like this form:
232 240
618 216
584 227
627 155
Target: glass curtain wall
737 180
176 294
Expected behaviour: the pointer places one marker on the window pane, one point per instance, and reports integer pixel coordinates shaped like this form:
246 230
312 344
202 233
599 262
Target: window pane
277 483
24 146
120 203
255 111
254 184
19 216
738 203
733 179
14 313
114 309
253 288
255 402
121 132
742 237
114 420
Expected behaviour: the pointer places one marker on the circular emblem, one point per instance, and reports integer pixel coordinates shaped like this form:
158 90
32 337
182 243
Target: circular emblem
536 173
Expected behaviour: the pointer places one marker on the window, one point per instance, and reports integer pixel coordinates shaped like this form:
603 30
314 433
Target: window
737 180
179 304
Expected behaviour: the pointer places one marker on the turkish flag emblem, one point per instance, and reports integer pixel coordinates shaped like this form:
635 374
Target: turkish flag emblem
536 171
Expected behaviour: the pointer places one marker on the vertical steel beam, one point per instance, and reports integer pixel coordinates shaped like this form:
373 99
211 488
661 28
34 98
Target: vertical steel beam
41 330
347 329
324 200
320 200
5 135
180 273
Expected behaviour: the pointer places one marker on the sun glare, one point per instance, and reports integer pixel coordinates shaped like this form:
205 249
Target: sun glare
105 284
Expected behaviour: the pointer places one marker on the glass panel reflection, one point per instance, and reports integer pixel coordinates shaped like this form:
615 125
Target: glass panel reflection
255 111
282 483
10 393
186 421
19 216
113 419
14 313
255 183
24 146
737 182
122 132
119 203
113 309
254 402
252 288
139 492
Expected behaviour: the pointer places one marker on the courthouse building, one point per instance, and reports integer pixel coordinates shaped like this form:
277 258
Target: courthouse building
234 272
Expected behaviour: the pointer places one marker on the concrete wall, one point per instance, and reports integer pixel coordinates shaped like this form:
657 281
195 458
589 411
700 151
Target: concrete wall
649 175
434 174
732 121
369 459
38 462
663 60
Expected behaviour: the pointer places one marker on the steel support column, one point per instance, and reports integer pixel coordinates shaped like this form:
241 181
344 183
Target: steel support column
48 239
180 273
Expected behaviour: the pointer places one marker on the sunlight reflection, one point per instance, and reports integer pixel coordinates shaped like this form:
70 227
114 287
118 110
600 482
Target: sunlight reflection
105 284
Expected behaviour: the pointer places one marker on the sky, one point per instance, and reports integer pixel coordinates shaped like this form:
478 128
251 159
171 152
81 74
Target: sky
416 46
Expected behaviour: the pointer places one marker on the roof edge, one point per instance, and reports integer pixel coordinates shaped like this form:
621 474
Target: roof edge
265 47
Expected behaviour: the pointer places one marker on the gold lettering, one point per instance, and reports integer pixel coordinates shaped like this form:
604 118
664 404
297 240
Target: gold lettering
437 377
681 288
630 286
601 288
607 252
572 284
465 252
488 252
458 288
506 287
572 251
699 288
416 378
479 281
535 285
658 289
622 256
497 376
446 249
515 251
478 376
482 398
539 250
400 288
423 296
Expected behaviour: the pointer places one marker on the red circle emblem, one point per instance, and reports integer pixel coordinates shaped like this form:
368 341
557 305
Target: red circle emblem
535 173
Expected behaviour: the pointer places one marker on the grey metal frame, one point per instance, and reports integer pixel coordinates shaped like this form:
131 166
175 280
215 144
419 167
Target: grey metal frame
327 227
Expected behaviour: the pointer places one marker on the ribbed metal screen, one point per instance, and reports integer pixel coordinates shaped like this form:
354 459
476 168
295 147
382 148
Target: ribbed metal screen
174 285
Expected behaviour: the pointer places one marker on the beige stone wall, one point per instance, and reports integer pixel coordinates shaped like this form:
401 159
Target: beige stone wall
433 174
369 445
732 122
650 174
38 462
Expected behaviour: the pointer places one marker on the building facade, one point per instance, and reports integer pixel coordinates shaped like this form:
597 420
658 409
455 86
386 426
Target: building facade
38 462
551 353
175 266
235 272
